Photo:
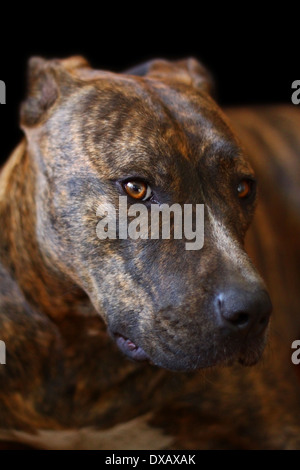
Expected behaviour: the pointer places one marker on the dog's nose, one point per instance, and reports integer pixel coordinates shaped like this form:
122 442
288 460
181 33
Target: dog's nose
242 311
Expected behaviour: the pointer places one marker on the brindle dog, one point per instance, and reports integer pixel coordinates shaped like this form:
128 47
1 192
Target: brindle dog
69 301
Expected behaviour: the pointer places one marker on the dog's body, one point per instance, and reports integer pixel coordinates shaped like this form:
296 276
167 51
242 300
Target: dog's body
65 383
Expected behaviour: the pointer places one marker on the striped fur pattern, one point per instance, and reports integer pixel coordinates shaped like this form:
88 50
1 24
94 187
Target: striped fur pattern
66 385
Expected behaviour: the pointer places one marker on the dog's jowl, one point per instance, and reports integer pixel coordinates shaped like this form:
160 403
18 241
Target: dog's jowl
107 337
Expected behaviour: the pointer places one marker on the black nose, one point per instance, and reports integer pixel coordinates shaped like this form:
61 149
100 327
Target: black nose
242 311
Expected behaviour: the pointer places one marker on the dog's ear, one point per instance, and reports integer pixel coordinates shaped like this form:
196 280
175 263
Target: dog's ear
47 81
189 71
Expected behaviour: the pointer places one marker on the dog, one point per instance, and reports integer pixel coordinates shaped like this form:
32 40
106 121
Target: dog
142 344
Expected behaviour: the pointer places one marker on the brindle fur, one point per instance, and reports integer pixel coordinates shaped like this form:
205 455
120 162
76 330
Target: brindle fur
61 287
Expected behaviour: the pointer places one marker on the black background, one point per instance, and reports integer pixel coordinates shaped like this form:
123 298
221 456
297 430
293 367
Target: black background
253 59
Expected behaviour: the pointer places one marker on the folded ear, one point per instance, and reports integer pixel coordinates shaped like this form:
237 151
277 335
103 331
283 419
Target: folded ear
189 71
46 81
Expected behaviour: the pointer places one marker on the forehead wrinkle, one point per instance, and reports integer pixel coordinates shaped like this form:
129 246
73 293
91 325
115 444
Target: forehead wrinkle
200 123
224 153
135 135
220 150
171 127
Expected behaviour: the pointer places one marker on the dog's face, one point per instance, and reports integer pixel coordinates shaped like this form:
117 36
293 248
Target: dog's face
157 138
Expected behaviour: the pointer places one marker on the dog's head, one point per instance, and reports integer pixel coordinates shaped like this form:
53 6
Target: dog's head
155 135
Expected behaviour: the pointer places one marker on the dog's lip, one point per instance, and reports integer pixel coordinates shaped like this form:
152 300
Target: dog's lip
129 348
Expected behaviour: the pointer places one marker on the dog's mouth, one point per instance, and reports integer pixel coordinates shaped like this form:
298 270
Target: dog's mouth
227 353
130 349
248 355
245 357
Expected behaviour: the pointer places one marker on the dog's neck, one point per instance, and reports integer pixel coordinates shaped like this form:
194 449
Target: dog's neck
44 288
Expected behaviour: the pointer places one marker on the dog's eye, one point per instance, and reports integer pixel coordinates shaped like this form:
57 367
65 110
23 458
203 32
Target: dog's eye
245 188
138 190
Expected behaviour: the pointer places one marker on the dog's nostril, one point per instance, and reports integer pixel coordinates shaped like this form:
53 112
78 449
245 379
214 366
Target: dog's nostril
239 319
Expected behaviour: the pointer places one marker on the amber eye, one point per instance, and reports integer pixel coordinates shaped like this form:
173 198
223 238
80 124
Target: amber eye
137 190
244 189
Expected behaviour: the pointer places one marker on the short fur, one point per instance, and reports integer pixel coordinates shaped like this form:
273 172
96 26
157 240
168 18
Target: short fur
64 293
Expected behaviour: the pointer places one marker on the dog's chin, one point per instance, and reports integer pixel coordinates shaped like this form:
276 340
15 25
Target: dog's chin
251 355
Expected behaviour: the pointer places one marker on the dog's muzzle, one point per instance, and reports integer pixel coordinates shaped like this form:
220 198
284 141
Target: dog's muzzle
236 333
